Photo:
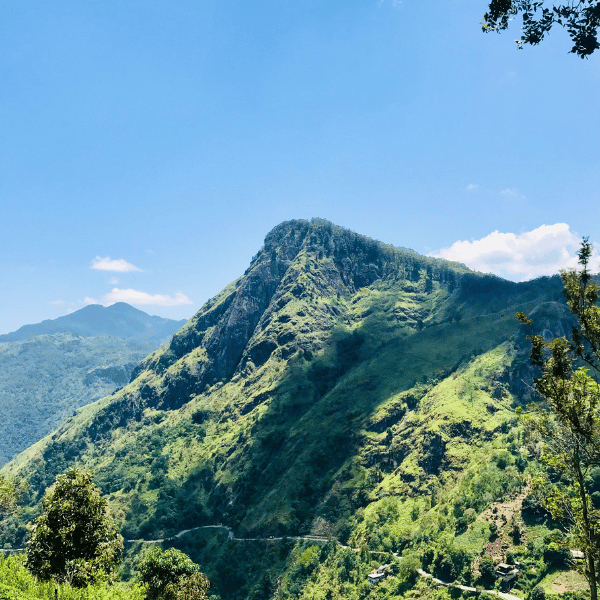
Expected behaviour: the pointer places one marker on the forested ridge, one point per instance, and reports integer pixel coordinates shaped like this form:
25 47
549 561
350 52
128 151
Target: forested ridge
340 389
51 369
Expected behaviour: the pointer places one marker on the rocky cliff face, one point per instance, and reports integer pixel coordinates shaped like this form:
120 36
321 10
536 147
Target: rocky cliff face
313 263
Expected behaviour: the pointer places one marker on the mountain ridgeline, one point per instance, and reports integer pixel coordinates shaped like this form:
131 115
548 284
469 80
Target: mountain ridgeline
336 376
119 319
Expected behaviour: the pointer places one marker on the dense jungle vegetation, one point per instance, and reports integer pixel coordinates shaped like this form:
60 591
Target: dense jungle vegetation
342 406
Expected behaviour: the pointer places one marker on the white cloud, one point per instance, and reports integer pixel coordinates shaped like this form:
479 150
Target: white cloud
107 264
143 298
89 300
472 186
510 192
543 251
113 281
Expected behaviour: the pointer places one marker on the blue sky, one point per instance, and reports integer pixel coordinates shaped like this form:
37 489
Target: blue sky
172 136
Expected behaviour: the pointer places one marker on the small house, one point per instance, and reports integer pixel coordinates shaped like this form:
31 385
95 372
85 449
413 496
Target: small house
577 555
378 574
508 573
374 577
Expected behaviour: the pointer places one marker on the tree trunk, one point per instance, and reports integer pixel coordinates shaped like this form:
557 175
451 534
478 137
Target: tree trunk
588 528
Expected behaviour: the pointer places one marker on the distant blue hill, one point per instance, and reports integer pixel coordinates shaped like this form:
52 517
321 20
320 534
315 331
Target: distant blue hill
120 319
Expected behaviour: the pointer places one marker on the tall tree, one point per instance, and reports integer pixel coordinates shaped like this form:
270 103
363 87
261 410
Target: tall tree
74 540
570 429
582 20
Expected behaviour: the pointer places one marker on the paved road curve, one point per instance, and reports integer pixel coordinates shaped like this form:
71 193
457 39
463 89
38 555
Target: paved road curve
313 538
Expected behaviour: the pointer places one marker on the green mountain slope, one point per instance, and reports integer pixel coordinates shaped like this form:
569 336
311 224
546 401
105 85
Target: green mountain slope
45 378
335 379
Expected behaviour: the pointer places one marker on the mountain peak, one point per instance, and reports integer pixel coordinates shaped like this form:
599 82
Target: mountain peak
124 308
120 320
313 266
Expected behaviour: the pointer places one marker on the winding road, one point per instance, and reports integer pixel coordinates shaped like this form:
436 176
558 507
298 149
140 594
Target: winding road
231 535
312 538
316 538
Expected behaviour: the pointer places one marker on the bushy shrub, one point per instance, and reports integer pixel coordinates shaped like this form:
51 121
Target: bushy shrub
193 587
461 524
165 571
487 571
537 593
17 583
556 556
502 461
451 563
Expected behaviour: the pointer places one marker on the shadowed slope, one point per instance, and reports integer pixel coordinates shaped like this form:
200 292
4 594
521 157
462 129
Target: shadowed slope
270 410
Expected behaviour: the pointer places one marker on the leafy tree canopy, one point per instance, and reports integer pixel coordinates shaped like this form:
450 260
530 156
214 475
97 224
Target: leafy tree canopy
172 575
8 494
581 19
74 540
570 429
487 570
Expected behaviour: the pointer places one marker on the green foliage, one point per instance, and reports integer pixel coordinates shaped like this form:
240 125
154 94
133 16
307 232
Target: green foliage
407 573
340 573
44 380
237 570
487 571
537 593
171 575
17 583
187 588
74 540
8 494
581 19
570 430
452 564
333 391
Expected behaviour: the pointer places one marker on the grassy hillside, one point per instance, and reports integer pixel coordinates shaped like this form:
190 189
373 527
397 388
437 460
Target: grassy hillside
16 583
340 387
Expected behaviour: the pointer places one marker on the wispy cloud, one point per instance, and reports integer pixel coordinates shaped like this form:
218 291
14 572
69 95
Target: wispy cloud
472 186
113 281
108 264
89 300
519 257
510 192
137 297
58 302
